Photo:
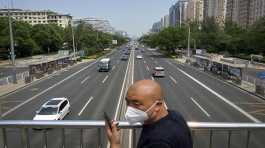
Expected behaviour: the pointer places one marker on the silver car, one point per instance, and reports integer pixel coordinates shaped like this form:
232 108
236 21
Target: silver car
159 72
54 109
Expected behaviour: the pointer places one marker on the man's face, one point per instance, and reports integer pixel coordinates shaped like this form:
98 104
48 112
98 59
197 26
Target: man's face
142 102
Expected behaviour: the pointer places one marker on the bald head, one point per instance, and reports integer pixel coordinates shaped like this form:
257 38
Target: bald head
145 92
147 95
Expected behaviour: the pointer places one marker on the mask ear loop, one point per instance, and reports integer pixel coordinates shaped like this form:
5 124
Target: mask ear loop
151 106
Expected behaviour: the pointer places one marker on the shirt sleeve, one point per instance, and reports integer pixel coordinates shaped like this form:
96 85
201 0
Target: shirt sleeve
157 145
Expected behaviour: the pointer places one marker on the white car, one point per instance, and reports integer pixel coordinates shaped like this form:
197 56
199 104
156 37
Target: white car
159 72
54 109
139 57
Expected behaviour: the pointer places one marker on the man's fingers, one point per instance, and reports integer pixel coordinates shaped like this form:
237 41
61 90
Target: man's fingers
108 128
113 126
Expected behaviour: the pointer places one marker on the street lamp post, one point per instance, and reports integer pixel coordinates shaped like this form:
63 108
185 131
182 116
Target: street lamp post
12 48
73 38
189 41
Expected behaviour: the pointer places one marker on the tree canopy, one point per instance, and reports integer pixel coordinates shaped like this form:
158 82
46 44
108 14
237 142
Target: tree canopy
208 35
43 38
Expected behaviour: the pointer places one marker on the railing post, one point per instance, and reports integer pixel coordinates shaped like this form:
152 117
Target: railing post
63 138
45 143
193 138
211 139
229 139
81 138
4 138
25 138
134 138
99 138
248 139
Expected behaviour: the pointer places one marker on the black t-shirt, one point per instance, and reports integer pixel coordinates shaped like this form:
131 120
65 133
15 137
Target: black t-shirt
169 132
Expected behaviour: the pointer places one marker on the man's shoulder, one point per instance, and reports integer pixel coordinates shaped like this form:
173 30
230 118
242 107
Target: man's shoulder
173 126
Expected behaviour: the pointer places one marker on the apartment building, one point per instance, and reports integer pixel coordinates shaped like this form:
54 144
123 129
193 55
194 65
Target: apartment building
38 17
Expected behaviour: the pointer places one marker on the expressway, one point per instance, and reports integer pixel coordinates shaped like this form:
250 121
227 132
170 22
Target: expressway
200 97
196 95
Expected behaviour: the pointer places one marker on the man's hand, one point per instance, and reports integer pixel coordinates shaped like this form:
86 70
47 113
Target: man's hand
113 134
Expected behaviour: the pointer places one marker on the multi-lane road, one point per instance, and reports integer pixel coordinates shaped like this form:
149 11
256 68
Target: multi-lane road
198 96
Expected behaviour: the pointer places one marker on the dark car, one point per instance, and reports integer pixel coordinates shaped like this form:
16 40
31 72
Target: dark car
124 57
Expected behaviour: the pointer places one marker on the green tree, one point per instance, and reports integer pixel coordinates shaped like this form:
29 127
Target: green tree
48 37
257 36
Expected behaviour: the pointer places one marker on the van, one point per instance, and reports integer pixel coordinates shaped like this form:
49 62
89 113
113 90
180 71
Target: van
104 65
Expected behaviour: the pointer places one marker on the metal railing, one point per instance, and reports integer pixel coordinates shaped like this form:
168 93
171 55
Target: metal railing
206 132
9 79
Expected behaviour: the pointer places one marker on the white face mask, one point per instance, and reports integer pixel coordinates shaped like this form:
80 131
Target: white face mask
134 115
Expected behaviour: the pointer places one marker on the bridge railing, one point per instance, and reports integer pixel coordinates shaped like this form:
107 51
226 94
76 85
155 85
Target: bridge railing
205 134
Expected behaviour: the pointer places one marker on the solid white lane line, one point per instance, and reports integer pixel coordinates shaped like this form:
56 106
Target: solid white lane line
113 67
202 109
174 80
131 131
89 100
133 69
105 79
46 90
121 92
222 98
85 79
144 61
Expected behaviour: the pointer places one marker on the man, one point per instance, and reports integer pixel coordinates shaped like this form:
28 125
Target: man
162 128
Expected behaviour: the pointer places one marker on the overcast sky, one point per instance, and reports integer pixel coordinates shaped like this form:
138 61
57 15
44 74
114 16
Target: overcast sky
133 16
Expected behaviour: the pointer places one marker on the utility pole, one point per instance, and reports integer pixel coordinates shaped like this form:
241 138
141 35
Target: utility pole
12 47
73 37
189 42
180 16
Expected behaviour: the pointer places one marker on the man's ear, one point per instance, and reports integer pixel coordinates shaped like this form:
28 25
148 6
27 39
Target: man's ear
158 105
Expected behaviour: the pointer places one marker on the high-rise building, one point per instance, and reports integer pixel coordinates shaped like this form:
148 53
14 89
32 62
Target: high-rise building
256 10
215 9
172 15
178 13
238 11
38 17
245 12
97 23
157 26
191 10
165 21
182 16
195 10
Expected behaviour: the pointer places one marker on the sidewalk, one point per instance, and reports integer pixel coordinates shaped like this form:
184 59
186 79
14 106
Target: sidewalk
246 86
181 60
6 89
24 62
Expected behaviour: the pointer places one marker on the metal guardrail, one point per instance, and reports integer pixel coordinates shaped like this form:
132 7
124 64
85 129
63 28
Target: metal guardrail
25 125
9 79
209 127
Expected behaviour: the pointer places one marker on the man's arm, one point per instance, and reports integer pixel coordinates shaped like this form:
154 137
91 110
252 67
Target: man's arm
113 135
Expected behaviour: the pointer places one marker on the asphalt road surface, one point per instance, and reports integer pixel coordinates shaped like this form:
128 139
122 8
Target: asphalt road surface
198 96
